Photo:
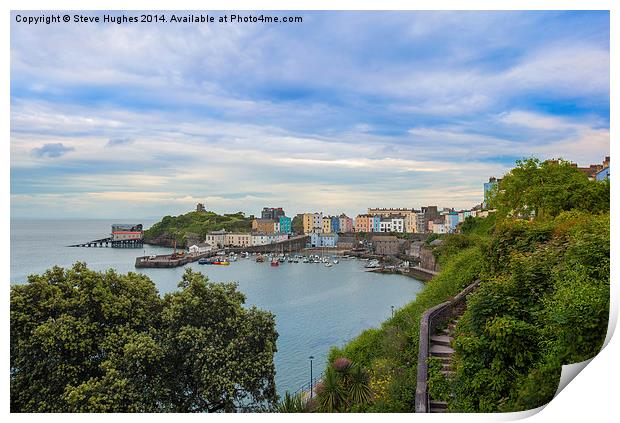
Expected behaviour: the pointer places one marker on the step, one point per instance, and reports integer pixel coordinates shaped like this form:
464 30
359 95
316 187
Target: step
447 373
441 340
438 406
441 351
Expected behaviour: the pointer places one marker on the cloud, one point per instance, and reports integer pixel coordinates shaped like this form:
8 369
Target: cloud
394 108
52 150
114 142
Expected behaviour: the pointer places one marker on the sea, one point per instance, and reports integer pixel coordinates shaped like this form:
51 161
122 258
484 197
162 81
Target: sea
315 307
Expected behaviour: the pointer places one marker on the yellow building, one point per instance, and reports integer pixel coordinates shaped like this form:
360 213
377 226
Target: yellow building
327 225
313 223
238 240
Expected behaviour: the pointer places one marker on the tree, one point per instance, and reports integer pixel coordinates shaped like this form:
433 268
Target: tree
544 189
297 224
104 342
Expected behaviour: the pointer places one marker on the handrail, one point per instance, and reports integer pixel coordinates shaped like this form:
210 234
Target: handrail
428 323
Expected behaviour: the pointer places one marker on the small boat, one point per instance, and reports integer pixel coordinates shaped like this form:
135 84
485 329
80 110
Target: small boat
221 262
372 264
305 260
275 262
260 259
204 261
335 261
328 264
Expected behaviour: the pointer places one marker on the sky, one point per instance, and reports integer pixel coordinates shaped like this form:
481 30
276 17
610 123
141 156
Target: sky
345 111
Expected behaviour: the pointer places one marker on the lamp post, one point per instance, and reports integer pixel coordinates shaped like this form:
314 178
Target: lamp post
392 310
311 358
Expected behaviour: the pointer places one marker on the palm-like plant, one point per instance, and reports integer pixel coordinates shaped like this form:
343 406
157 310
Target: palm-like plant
291 404
333 395
359 386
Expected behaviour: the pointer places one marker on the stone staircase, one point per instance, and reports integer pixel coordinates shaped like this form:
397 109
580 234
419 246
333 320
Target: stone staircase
441 348
436 330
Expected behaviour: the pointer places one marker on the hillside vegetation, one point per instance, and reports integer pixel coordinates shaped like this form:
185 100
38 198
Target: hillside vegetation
543 261
192 227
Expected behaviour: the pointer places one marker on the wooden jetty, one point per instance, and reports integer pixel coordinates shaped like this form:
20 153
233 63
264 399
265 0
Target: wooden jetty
111 242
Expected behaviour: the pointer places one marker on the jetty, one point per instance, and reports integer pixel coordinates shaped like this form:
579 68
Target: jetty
121 236
164 261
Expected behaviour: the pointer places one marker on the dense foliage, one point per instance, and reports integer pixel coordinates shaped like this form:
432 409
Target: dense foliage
104 342
543 301
539 189
196 224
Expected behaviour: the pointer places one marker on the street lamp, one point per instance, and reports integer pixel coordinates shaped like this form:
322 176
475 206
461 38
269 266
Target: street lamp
392 310
311 358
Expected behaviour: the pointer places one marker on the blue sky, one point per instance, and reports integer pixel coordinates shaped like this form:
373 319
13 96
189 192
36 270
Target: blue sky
345 111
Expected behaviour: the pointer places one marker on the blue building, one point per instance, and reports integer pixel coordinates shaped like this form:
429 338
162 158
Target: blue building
376 224
488 187
285 225
451 221
603 174
335 224
323 240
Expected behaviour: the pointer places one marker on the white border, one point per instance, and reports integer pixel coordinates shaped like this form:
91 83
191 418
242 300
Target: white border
590 397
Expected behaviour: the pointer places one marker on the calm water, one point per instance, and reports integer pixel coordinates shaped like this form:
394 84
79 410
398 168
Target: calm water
315 307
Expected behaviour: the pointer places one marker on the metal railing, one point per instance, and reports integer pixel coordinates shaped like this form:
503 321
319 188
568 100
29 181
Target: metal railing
429 322
304 390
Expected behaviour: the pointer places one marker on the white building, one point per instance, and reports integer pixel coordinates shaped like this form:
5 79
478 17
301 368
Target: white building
200 248
392 224
439 227
264 239
217 239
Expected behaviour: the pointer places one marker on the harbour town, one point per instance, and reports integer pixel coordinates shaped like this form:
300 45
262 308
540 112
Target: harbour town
391 239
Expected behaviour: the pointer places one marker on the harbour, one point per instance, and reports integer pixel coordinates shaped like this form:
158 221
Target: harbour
315 307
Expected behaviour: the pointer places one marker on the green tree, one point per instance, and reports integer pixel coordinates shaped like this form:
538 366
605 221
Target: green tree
297 224
103 342
544 189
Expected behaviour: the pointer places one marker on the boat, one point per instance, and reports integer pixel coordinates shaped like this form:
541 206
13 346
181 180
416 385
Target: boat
221 262
275 262
328 264
204 261
335 261
260 259
372 264
305 260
